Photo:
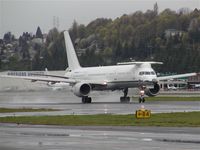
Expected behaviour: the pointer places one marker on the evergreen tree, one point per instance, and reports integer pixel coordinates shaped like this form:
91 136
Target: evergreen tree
39 33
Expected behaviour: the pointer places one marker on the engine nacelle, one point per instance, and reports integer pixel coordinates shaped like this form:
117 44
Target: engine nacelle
152 91
81 89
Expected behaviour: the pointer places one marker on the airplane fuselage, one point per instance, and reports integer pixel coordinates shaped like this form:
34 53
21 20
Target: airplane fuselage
115 77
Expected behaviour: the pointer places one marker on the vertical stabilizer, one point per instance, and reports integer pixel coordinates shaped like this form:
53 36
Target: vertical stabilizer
72 59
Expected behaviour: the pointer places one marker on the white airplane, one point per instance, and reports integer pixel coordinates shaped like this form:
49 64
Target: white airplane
118 77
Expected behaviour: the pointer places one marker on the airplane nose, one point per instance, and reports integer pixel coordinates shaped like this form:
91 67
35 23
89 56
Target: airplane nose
150 79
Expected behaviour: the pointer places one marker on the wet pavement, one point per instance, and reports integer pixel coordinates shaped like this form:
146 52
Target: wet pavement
43 137
103 103
32 137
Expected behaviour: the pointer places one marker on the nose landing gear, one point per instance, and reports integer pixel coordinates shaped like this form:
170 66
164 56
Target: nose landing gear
141 97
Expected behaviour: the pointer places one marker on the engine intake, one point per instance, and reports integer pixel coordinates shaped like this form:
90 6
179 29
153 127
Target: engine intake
81 89
153 91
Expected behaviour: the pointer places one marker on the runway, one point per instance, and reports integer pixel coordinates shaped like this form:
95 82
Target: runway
13 137
103 103
43 137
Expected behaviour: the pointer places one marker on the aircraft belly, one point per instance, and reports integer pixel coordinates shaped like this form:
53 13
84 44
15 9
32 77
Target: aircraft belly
115 85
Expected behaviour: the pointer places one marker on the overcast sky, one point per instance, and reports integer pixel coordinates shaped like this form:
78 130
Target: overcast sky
20 16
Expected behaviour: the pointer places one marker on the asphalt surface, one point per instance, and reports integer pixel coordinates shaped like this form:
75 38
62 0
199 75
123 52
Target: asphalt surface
42 137
103 103
23 137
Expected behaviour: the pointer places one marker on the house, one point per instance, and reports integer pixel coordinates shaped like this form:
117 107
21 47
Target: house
194 81
172 33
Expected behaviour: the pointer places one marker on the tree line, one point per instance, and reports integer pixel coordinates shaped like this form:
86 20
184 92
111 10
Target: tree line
169 36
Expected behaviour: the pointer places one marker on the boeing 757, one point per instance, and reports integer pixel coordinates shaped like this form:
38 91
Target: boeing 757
122 76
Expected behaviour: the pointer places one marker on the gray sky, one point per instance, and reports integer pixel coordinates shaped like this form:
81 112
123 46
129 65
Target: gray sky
20 16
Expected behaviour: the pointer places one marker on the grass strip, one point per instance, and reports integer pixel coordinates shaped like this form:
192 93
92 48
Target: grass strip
186 119
170 98
11 110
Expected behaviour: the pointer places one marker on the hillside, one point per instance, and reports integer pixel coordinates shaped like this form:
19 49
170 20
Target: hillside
171 37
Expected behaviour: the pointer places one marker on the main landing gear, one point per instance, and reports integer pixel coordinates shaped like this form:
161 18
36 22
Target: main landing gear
86 99
125 98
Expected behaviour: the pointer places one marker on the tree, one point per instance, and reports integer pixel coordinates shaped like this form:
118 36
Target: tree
194 30
39 33
8 37
0 64
81 31
74 31
117 52
52 36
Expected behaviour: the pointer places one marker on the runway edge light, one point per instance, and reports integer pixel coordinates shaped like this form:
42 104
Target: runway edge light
143 113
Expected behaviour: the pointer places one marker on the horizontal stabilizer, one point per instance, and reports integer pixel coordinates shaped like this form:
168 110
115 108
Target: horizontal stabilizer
139 63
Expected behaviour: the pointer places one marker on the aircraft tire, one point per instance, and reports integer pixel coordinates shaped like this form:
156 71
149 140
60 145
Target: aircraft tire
86 100
89 99
143 100
124 99
140 99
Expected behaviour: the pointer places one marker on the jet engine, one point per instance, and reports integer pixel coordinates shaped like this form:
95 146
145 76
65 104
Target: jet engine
81 89
152 91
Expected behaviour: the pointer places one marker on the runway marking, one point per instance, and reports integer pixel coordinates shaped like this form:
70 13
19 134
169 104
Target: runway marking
180 141
147 139
142 133
128 138
75 135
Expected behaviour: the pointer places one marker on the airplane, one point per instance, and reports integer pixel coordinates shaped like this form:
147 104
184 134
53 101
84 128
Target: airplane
122 76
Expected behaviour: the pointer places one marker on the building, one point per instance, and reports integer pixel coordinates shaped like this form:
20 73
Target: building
194 81
172 33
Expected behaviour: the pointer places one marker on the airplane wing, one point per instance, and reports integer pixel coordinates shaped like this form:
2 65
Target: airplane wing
48 75
42 78
176 76
54 79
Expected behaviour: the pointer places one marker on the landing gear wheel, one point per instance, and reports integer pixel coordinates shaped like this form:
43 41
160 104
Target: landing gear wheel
124 99
141 99
86 99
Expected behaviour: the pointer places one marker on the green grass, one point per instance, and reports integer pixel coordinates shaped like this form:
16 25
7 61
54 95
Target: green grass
11 110
187 119
169 98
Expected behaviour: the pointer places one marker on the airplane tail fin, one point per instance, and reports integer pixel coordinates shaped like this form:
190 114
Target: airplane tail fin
72 59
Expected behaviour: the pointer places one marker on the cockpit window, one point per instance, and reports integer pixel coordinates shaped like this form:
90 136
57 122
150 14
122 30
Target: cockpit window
147 73
141 73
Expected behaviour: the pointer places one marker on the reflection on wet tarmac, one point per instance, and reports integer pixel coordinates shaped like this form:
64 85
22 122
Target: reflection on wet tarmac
103 103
